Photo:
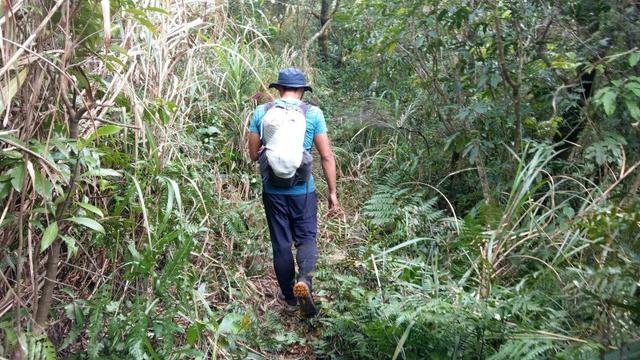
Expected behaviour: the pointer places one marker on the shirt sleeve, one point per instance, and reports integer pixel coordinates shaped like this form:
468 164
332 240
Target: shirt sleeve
320 125
256 119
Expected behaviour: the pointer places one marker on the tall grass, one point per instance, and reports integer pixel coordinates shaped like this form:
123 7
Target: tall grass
110 125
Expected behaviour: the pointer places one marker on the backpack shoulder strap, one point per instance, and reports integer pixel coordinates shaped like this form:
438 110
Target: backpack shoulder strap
269 105
304 107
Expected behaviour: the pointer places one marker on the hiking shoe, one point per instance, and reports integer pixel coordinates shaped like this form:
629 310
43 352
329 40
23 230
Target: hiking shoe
289 305
302 292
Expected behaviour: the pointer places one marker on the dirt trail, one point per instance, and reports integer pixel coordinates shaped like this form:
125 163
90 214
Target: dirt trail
332 240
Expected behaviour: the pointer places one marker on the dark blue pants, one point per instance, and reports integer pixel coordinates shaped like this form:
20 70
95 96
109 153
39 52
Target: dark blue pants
292 220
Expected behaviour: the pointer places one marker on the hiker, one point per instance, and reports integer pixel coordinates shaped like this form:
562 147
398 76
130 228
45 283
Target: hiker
281 136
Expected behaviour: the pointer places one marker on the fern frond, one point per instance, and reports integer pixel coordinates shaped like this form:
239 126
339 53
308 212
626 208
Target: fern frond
39 347
525 349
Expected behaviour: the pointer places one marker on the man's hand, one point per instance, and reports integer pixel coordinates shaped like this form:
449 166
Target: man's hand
333 203
254 146
334 209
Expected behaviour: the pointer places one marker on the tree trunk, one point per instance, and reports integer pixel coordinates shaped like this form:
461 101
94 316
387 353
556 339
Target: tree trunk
73 116
631 193
513 83
484 180
323 39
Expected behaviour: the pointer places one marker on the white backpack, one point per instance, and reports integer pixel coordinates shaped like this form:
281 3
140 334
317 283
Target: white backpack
284 162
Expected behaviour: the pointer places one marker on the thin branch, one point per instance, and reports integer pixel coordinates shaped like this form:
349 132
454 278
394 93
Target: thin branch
335 8
607 192
322 30
111 122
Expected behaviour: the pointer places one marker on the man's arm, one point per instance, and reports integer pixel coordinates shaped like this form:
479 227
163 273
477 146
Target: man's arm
328 167
254 146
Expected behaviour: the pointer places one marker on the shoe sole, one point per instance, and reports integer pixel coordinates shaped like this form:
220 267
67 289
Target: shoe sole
287 308
303 294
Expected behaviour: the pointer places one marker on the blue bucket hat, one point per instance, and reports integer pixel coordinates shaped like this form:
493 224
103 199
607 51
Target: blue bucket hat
291 77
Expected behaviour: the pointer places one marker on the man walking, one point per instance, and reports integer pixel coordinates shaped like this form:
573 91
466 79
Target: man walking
281 137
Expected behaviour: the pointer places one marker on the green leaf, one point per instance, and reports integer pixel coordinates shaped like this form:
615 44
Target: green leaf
116 60
82 80
452 143
134 252
144 21
230 324
107 130
633 108
119 49
609 101
48 350
8 329
71 245
135 11
494 80
5 189
403 339
568 211
164 115
88 222
11 87
12 154
601 157
50 234
101 173
634 58
17 177
176 192
472 151
193 333
634 87
158 10
91 208
112 307
43 186
169 206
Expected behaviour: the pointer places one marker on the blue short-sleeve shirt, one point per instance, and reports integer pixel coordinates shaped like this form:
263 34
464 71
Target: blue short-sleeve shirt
315 125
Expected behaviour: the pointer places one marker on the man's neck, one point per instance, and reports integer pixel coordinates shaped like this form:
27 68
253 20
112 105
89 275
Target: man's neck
290 96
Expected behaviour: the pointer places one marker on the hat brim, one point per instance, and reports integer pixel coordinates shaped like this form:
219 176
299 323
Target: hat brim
305 87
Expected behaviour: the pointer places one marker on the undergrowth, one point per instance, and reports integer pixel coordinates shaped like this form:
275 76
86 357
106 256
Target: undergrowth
470 231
